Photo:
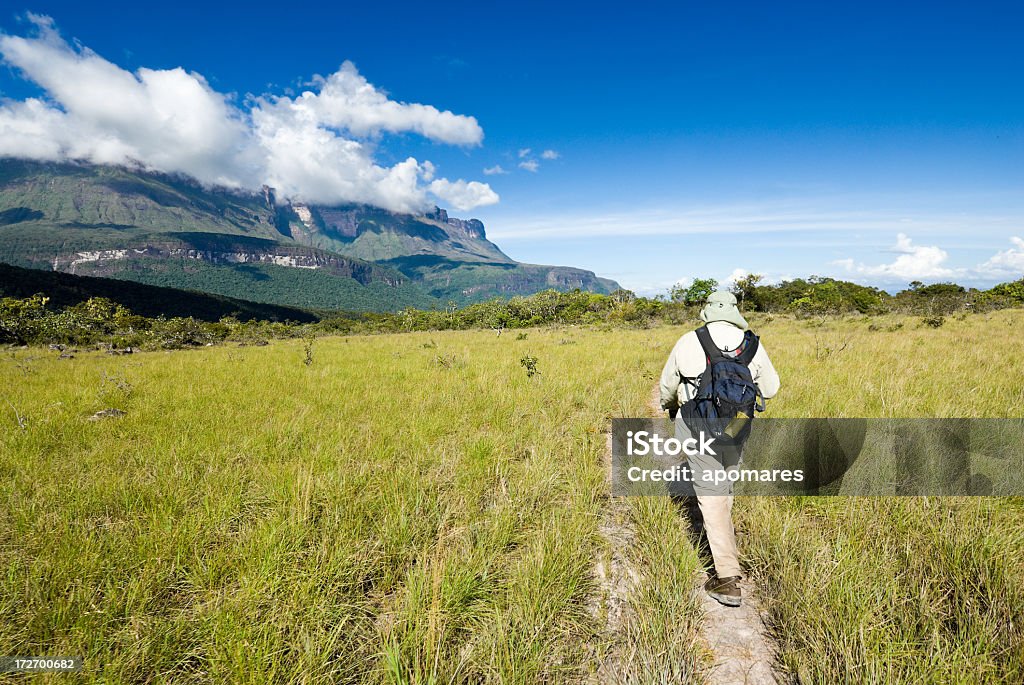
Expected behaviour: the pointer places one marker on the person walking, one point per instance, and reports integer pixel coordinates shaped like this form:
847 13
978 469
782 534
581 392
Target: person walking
727 330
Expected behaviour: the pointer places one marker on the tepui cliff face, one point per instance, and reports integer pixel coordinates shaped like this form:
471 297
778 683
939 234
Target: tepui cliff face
127 224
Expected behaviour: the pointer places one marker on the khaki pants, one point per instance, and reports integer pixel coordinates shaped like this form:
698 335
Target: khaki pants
715 502
717 513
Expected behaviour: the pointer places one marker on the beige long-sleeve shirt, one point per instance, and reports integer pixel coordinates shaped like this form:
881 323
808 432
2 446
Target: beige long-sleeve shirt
687 362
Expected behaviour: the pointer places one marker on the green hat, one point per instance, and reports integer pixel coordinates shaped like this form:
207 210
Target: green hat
721 306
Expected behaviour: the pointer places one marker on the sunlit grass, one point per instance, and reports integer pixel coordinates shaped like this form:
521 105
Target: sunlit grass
415 508
410 508
894 590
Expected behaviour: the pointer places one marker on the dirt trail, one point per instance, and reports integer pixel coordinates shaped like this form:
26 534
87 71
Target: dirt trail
616 579
742 651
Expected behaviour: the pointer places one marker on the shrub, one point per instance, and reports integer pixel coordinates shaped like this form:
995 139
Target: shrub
530 364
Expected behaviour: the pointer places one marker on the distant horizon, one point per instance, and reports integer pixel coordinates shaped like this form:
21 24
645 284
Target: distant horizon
877 144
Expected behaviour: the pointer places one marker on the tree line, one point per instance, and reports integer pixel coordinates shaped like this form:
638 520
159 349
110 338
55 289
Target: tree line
33 320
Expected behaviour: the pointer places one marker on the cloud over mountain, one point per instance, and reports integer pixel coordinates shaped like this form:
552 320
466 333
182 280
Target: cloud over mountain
318 146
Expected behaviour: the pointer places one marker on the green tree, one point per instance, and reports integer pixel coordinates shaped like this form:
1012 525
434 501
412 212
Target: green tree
696 294
745 289
622 296
1013 291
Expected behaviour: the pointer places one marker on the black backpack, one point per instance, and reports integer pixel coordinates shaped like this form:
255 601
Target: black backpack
726 396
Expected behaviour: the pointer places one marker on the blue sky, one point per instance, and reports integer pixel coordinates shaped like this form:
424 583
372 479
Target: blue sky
879 142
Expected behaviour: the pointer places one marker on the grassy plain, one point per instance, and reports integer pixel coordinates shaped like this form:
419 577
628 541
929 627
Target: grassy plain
416 508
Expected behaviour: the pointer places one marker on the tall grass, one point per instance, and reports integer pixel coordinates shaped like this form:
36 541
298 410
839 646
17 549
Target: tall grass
894 590
409 508
415 508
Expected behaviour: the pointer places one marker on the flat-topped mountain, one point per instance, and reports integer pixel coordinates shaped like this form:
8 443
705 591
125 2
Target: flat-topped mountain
171 231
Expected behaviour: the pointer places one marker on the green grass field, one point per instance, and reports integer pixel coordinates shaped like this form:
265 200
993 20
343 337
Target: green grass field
415 509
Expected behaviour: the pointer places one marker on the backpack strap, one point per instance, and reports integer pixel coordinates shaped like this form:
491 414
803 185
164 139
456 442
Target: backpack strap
749 347
711 350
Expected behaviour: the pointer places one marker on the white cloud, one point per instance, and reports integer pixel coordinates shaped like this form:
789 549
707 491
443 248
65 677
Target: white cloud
347 101
734 275
317 146
495 170
1005 264
529 161
929 263
837 222
464 196
914 262
684 282
732 218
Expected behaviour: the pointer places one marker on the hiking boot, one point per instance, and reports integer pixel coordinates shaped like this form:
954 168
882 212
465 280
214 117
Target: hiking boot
725 590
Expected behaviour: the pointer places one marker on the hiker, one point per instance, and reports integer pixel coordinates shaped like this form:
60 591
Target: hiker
727 330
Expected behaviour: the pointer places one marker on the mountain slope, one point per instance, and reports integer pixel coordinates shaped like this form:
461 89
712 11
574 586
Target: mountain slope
255 269
451 257
169 230
87 196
